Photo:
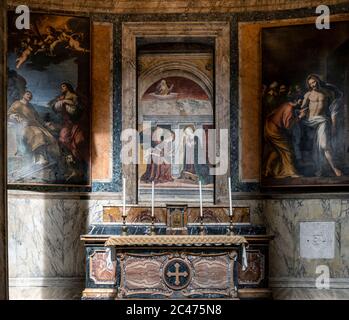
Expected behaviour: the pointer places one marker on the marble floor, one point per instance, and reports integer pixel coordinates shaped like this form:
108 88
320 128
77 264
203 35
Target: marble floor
59 293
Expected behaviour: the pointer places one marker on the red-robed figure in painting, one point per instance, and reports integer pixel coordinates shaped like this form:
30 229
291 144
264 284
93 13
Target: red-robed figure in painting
159 163
73 137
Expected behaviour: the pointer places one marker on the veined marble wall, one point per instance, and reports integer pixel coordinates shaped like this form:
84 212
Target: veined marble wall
44 233
291 276
46 256
283 217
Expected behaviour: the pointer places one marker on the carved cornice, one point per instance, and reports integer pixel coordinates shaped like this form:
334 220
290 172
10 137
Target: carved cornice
139 240
174 6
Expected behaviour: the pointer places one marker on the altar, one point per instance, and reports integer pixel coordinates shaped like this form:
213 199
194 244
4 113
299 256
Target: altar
226 261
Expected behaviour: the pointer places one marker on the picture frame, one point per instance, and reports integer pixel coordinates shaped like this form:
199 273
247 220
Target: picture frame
177 219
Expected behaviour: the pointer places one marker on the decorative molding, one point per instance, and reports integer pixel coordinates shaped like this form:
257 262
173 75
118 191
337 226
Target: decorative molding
58 282
175 6
177 240
22 194
335 283
255 293
117 196
99 293
75 282
142 214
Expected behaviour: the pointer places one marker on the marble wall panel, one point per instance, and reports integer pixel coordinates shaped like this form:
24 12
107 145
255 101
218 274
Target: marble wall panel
283 217
102 101
36 237
44 233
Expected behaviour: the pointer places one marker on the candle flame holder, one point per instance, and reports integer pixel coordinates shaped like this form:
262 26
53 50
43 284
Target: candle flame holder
124 227
152 228
230 229
202 229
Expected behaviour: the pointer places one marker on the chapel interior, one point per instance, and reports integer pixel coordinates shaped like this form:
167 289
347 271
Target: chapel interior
174 149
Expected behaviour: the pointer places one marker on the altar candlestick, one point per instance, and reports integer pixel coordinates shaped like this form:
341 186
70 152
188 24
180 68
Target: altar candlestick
124 227
201 213
152 199
124 196
230 204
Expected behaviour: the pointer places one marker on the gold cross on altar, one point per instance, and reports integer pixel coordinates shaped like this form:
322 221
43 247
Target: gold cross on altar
177 274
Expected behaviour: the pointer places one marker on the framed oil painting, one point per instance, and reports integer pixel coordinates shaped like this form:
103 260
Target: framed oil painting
175 104
305 95
48 100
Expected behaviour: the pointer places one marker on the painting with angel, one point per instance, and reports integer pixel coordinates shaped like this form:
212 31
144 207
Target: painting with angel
48 99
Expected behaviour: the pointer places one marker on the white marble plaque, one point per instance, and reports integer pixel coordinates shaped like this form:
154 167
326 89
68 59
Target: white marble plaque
317 240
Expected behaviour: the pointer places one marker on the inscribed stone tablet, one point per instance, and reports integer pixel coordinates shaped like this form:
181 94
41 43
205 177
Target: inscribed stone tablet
317 240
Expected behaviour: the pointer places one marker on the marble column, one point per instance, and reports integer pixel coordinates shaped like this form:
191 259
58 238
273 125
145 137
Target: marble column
3 197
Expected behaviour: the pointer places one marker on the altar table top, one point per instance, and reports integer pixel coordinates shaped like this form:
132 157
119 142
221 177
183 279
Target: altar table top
176 240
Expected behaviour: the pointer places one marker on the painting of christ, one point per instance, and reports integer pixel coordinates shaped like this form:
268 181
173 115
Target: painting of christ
175 113
305 102
48 115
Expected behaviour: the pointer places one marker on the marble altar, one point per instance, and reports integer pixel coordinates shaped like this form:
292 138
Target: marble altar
216 264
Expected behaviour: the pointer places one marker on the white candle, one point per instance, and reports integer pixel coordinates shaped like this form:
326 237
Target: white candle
152 199
124 196
230 204
201 214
